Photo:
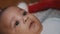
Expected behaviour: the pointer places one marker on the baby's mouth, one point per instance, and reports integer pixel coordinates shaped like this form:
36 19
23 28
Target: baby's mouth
31 24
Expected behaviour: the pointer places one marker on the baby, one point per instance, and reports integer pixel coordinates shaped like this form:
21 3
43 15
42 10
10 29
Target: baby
14 20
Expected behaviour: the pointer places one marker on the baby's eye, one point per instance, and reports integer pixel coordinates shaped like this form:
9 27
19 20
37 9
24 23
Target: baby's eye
24 13
16 23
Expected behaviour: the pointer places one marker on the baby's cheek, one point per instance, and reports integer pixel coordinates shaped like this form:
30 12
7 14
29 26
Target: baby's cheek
21 29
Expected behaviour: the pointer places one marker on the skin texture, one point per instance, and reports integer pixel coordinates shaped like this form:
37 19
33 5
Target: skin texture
14 21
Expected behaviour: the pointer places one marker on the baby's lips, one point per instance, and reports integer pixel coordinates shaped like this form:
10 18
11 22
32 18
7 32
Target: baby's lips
28 22
32 22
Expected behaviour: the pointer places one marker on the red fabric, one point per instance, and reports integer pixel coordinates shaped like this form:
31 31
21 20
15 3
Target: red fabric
45 4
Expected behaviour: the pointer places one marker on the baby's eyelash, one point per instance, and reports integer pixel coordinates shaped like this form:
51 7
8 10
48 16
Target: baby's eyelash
16 23
24 13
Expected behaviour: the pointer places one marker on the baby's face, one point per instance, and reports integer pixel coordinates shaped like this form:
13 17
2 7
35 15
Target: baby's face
18 21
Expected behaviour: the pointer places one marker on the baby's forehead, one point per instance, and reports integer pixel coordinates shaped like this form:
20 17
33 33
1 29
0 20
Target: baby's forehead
12 9
11 12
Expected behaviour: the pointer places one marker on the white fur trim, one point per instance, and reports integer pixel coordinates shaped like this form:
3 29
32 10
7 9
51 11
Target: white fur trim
23 5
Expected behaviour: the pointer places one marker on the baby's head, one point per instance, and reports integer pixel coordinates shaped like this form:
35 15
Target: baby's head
14 20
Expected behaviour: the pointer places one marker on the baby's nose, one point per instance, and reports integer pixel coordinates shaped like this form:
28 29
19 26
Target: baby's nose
26 18
28 21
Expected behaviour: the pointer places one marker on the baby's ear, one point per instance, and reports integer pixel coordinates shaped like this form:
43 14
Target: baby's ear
23 5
